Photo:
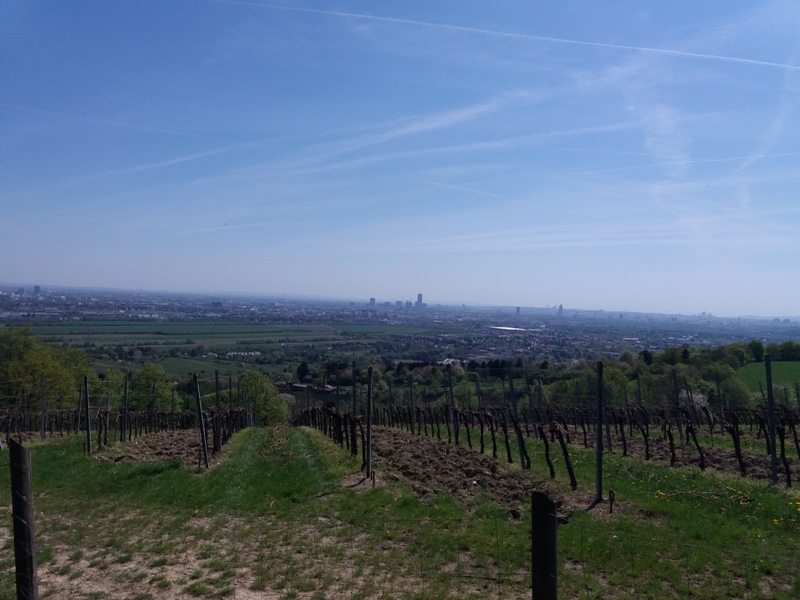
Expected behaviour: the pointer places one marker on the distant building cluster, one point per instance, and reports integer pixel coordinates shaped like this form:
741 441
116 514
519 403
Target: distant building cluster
37 289
398 304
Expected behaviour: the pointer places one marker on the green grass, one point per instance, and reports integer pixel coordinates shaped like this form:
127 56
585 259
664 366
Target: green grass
677 532
277 489
784 374
274 517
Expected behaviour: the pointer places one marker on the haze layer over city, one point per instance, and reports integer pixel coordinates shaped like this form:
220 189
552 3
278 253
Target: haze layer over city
459 332
627 156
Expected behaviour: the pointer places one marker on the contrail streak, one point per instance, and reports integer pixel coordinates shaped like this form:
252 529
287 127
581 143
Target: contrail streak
112 123
520 36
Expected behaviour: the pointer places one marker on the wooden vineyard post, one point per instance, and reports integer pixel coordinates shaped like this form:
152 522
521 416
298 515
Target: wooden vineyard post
107 418
172 410
202 421
598 448
355 393
88 420
23 412
530 398
480 421
638 390
607 424
126 417
721 408
152 418
544 548
411 404
79 411
217 428
453 413
369 424
122 411
44 412
353 433
771 416
22 514
678 416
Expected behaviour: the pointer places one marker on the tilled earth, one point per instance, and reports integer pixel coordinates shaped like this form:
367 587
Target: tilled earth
183 445
433 466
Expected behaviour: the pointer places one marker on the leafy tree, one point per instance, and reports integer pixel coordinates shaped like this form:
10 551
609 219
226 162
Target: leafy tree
302 370
736 393
627 357
111 385
141 389
756 348
670 356
774 351
790 350
685 355
615 384
290 403
269 405
24 361
657 390
463 393
737 354
15 345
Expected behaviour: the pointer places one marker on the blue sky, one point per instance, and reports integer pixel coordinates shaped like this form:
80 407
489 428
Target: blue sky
620 155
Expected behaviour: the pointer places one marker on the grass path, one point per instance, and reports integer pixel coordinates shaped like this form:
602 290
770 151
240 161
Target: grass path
274 521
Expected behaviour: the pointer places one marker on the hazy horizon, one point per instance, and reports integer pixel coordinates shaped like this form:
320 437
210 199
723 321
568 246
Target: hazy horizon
12 286
625 156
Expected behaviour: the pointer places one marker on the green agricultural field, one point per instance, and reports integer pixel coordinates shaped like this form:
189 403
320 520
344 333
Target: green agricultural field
784 374
382 330
219 333
104 338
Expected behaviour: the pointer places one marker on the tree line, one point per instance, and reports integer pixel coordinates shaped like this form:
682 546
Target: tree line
32 371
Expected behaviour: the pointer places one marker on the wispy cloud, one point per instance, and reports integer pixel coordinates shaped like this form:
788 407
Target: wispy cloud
470 189
521 36
176 160
771 136
412 126
664 136
178 232
698 231
111 122
308 166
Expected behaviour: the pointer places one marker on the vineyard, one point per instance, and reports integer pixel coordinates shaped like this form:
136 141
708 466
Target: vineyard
414 501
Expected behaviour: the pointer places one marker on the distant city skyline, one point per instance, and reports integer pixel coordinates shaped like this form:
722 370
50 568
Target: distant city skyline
628 156
373 301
